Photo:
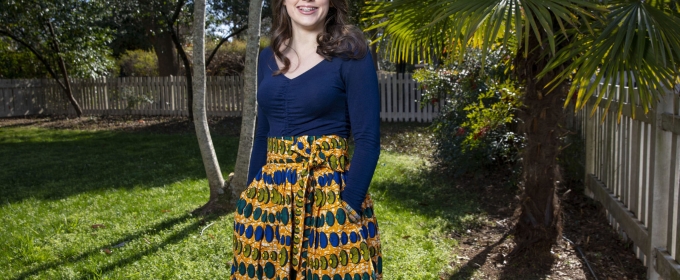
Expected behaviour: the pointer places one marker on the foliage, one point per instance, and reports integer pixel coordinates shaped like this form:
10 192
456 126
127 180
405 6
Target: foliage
502 102
16 62
634 41
114 205
132 100
474 129
229 59
76 26
138 63
225 16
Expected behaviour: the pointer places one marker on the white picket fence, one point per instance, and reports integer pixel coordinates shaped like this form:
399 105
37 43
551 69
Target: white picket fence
158 96
633 169
401 100
144 96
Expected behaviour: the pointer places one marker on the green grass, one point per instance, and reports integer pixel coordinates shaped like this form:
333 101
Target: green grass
58 186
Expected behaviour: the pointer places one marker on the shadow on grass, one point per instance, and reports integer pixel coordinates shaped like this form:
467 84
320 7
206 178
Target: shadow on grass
468 270
48 164
167 224
461 203
432 194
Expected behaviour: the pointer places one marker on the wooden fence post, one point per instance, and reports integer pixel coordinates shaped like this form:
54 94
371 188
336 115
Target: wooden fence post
661 185
591 126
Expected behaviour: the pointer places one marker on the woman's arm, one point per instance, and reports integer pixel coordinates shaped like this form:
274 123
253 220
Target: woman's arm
363 102
258 156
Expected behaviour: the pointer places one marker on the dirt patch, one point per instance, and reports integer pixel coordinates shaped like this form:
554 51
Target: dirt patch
483 252
227 126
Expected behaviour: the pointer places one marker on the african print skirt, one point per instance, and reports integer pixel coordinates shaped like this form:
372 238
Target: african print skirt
291 220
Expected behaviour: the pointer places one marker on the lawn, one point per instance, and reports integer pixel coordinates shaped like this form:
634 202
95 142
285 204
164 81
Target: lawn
80 204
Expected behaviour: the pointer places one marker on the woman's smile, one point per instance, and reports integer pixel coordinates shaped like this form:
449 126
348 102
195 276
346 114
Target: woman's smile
307 10
308 14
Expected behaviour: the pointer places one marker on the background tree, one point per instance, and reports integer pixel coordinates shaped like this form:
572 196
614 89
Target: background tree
64 35
143 25
232 14
559 47
17 61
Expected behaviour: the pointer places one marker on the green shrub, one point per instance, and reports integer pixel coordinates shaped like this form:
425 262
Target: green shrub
229 59
17 62
138 63
474 130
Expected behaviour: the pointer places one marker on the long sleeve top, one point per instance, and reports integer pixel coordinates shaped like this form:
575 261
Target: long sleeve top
335 96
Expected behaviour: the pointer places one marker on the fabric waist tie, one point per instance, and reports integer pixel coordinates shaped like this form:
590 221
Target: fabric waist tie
329 151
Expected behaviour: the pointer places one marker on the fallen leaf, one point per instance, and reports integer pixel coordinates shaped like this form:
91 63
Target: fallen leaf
97 226
165 210
406 237
107 251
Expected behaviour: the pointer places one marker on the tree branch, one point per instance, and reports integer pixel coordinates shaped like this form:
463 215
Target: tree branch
36 53
178 10
238 31
182 54
64 72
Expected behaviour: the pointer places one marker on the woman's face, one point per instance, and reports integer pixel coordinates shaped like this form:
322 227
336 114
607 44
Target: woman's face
307 14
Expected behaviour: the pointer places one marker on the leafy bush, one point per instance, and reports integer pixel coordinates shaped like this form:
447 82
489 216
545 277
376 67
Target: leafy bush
138 63
229 59
474 130
17 62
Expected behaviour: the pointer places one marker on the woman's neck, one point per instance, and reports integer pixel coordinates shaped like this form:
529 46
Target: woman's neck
304 39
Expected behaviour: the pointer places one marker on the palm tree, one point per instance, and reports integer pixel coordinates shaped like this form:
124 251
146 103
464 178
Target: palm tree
559 47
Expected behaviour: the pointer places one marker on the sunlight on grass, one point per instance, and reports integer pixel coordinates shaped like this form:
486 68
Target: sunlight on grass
112 205
415 217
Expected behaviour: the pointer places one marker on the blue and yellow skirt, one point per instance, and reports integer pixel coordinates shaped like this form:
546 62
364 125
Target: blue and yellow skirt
290 223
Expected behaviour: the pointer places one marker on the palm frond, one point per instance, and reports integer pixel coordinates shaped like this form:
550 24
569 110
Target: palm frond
637 46
432 27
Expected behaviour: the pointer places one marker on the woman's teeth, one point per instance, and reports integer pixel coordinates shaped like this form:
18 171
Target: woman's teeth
307 9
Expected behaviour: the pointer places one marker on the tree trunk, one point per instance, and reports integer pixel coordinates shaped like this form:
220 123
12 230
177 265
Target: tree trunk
183 55
163 46
187 70
62 66
212 167
245 146
166 54
539 224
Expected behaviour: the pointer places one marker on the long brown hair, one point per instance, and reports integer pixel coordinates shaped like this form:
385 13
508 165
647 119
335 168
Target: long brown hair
337 39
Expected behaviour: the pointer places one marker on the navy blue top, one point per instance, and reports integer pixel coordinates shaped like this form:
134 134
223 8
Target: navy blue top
333 97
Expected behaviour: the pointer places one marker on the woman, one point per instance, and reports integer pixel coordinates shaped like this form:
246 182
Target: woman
303 215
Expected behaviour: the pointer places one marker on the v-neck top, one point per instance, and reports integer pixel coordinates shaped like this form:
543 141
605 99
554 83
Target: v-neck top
335 97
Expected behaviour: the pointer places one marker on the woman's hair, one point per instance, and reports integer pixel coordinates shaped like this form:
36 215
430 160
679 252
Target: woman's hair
337 39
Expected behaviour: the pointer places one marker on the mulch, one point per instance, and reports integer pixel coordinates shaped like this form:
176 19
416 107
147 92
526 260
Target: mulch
589 249
169 125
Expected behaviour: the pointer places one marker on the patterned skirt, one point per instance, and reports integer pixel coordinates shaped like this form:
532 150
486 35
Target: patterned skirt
290 223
